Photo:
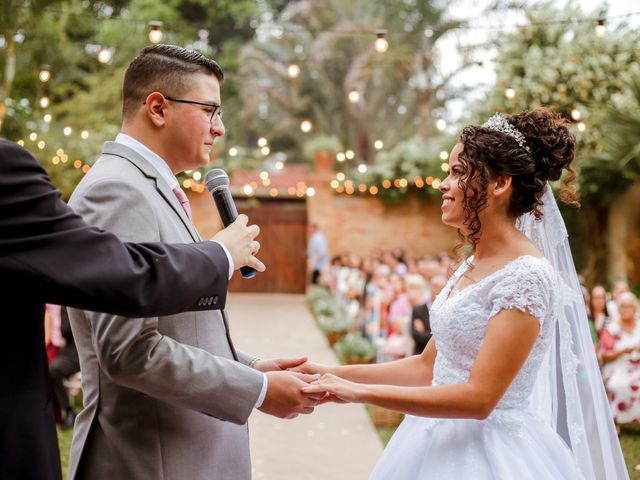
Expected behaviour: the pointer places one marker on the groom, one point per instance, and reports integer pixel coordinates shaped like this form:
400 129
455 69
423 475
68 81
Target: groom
167 397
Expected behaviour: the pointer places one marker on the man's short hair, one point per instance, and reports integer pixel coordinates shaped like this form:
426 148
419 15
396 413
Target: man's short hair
165 69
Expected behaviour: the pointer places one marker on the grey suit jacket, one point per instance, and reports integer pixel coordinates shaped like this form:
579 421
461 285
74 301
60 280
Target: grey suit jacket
164 397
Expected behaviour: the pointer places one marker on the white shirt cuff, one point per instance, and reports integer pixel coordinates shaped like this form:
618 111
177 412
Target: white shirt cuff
263 392
231 265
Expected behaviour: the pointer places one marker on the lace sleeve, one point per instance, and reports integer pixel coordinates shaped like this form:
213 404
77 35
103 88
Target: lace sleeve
527 288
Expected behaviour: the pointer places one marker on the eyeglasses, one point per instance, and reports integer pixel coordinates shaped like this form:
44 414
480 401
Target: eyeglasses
215 108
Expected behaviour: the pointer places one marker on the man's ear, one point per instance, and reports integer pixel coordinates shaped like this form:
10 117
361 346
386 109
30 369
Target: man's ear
154 108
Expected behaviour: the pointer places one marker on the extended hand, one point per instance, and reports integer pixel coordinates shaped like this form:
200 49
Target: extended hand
285 398
278 364
311 368
343 390
239 239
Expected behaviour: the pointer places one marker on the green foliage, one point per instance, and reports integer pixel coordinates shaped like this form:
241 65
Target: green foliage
568 67
354 347
333 322
327 39
321 144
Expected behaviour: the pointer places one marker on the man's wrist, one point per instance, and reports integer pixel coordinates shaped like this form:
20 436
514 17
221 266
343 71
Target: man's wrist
253 362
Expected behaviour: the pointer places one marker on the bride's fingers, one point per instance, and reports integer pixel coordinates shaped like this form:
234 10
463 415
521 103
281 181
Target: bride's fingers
314 388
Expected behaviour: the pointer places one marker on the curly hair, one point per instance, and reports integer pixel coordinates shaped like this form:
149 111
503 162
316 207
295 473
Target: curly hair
487 154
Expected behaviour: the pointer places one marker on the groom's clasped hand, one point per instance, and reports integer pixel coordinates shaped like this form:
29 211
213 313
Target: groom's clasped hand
285 397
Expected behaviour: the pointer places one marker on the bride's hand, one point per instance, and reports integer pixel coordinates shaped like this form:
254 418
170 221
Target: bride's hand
340 390
311 368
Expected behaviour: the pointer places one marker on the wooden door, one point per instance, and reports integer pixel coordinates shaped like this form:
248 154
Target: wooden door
283 240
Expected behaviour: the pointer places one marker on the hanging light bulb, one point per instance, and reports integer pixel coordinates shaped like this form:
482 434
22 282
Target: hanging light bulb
354 96
601 29
293 71
44 101
155 32
575 114
262 142
105 54
381 44
306 126
362 168
45 73
47 118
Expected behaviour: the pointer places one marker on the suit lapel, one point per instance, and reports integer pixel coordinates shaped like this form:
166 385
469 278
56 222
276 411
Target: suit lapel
112 148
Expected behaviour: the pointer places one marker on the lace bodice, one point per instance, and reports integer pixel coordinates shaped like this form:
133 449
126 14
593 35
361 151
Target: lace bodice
459 321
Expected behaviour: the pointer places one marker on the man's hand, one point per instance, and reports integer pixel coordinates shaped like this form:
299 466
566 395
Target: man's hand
285 398
239 239
277 364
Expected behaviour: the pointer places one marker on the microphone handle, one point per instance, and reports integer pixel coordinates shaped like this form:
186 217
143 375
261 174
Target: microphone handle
228 213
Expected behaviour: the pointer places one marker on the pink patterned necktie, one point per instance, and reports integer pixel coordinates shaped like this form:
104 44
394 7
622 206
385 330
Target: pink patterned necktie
184 201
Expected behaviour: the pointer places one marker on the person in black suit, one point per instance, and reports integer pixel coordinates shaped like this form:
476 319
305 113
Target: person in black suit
420 324
48 254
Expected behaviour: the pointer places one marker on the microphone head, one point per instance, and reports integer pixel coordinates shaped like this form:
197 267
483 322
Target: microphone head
216 178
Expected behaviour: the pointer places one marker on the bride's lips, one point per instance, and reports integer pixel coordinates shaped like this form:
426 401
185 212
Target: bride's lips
446 201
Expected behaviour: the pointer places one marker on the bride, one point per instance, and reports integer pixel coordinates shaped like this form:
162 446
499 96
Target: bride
508 387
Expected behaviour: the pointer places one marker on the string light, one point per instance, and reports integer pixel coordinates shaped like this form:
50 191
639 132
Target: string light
381 44
354 96
444 167
265 150
311 192
84 135
233 151
444 155
273 192
601 28
362 168
341 157
33 136
47 118
334 184
262 142
105 55
44 102
575 114
66 131
510 93
378 144
293 71
582 127
155 32
349 154
306 126
197 176
45 73
41 144
441 124
340 176
279 165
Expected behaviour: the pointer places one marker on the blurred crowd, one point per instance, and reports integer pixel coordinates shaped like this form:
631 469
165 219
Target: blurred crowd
388 294
614 321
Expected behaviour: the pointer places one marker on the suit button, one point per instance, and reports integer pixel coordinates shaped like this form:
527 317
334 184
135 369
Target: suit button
215 300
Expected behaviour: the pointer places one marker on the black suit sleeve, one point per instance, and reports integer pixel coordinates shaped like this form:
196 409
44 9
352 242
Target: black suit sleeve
51 253
421 314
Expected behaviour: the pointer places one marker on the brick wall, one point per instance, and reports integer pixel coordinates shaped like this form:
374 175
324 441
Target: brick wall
362 223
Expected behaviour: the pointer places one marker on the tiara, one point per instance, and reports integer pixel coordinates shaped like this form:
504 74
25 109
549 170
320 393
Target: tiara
499 123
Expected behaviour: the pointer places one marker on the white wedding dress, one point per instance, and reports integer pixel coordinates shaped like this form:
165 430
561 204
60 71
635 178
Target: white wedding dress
514 442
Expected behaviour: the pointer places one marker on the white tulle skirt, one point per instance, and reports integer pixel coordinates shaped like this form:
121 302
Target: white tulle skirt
510 445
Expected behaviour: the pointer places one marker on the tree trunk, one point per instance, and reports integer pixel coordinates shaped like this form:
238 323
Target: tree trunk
594 233
616 239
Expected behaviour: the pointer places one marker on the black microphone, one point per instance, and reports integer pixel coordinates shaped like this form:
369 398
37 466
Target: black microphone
217 182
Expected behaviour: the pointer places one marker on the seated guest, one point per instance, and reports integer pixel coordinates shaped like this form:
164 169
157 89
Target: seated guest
620 343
